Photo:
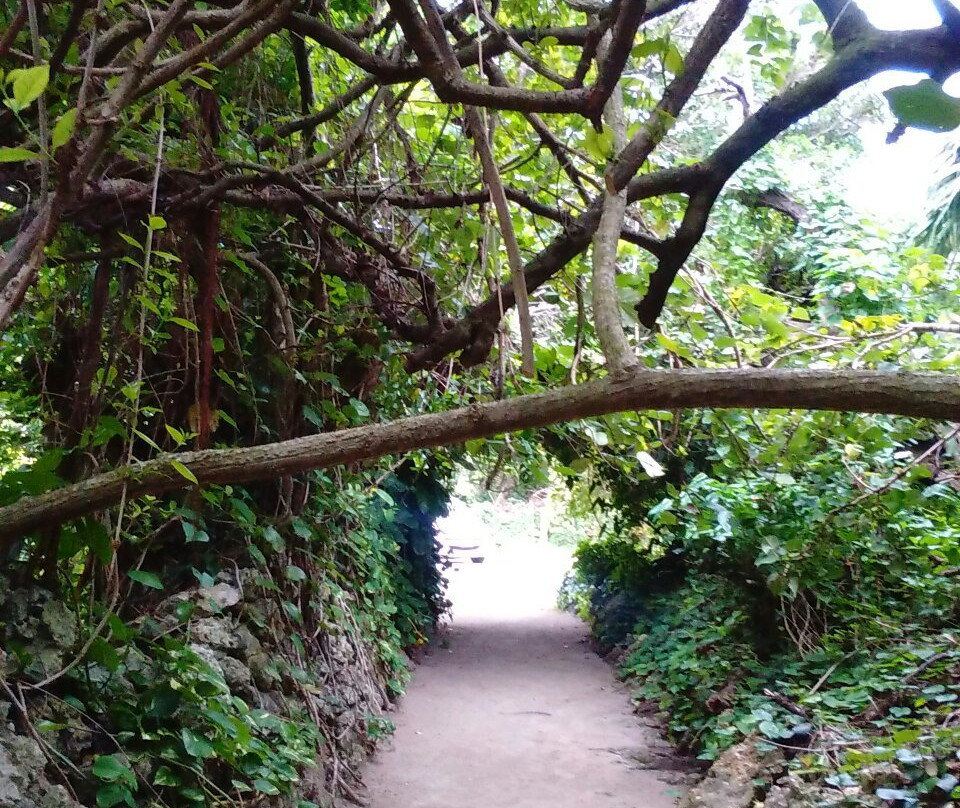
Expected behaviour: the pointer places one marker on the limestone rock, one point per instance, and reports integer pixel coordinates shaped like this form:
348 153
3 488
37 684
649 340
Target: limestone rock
778 797
215 633
60 622
250 645
729 783
264 671
217 598
236 675
208 655
23 782
793 792
880 775
233 629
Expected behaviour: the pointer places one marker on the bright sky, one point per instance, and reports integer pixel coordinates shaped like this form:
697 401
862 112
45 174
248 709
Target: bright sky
897 15
892 181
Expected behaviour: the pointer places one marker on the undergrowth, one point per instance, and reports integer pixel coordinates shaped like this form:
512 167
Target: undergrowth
330 600
767 606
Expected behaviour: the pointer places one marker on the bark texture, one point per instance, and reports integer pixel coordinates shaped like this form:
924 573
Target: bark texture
922 395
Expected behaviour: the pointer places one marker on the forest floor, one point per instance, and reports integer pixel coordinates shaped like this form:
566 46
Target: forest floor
512 709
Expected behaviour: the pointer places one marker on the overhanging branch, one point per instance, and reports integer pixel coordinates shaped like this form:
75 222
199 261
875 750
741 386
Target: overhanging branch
922 395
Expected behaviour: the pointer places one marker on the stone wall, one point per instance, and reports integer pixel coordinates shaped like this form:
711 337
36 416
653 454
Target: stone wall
236 626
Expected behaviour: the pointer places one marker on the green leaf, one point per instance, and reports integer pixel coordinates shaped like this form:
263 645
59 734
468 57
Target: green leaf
111 769
176 434
265 787
295 574
196 745
166 777
63 131
114 794
273 538
673 60
360 407
98 540
10 154
225 417
146 439
925 105
649 48
29 84
131 240
770 729
301 528
157 223
312 415
105 654
183 471
191 533
599 145
201 82
50 726
293 612
385 496
184 323
650 466
146 578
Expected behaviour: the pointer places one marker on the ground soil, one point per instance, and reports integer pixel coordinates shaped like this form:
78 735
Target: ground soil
512 709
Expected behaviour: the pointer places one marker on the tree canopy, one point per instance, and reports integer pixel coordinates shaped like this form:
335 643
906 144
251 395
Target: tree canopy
229 222
272 270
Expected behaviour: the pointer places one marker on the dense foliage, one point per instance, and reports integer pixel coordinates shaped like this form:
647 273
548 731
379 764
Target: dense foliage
169 726
238 226
795 575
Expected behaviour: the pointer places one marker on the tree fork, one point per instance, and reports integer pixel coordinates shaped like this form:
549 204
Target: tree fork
921 395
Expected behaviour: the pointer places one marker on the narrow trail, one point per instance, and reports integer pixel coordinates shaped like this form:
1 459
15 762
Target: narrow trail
512 709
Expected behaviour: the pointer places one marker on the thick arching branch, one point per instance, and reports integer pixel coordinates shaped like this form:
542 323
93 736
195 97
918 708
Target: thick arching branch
923 395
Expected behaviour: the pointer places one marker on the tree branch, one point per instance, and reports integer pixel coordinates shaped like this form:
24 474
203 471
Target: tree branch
846 20
606 300
718 29
922 395
19 266
950 15
491 176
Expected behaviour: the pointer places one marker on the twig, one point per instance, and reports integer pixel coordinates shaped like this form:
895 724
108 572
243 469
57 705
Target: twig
581 323
711 301
929 662
13 28
21 704
829 672
788 704
936 447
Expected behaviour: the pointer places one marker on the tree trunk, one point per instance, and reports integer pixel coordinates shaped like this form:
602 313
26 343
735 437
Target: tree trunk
924 395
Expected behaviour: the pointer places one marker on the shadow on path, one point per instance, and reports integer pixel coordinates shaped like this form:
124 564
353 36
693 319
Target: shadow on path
512 709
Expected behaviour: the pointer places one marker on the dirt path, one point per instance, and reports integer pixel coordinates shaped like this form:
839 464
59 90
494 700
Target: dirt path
516 711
